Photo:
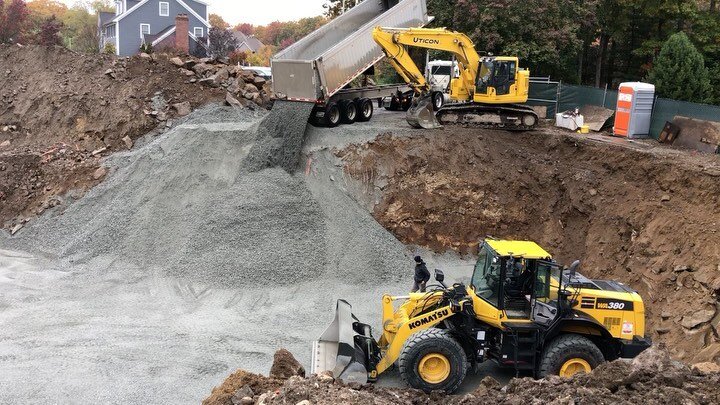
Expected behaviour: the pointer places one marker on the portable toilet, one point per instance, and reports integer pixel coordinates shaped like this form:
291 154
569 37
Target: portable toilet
634 109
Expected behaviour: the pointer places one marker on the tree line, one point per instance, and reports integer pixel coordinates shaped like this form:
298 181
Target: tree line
275 36
673 43
600 42
49 22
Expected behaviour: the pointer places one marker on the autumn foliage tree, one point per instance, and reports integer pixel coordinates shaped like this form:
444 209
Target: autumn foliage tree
218 22
50 32
12 20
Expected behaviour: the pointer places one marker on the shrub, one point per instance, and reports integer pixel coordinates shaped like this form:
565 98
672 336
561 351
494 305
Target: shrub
679 71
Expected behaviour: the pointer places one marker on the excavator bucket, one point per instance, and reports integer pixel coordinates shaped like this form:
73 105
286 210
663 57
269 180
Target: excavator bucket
421 114
336 350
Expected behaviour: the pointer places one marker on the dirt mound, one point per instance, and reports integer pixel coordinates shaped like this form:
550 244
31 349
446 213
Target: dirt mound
61 111
652 377
646 218
285 365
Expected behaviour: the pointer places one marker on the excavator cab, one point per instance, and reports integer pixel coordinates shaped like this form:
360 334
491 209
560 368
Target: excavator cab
497 80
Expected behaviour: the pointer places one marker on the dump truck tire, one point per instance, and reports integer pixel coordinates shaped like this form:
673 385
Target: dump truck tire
332 115
570 354
433 360
348 111
365 109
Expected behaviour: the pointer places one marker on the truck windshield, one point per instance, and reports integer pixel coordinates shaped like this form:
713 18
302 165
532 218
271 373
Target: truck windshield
440 70
486 277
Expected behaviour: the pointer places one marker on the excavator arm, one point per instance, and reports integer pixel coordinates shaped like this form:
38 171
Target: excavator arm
395 43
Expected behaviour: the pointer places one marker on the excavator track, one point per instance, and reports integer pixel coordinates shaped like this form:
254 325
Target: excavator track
509 117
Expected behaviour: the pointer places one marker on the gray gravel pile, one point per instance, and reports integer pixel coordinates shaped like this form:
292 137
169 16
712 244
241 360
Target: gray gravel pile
280 137
186 205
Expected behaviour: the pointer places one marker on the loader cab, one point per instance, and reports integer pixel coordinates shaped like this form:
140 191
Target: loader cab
514 280
496 80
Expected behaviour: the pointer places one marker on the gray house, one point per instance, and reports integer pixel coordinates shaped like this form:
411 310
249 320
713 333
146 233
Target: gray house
178 24
247 43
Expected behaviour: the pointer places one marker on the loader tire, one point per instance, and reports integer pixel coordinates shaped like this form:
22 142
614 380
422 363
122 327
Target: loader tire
433 360
570 354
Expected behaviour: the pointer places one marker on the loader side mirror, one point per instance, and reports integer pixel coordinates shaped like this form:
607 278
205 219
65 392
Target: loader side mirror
439 276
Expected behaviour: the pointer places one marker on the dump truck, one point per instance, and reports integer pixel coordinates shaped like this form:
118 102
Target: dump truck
320 67
522 310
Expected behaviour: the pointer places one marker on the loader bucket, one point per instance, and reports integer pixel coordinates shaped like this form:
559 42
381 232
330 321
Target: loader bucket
336 350
421 114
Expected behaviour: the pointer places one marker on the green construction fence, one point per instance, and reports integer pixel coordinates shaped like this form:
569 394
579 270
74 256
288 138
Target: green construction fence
559 97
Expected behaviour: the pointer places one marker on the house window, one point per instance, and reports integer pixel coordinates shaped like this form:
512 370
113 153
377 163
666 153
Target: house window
198 32
144 30
164 9
118 7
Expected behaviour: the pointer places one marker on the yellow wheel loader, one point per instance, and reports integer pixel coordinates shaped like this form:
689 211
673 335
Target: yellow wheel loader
521 310
488 89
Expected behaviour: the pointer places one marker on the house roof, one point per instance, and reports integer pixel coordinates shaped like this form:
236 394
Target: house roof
151 38
105 18
247 42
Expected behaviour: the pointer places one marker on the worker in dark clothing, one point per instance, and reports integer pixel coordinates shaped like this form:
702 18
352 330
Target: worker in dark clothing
422 275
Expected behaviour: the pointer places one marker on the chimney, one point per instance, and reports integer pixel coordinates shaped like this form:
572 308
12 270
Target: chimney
182 38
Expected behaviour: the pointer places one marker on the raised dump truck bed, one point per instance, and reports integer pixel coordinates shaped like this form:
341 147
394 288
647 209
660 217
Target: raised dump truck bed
318 67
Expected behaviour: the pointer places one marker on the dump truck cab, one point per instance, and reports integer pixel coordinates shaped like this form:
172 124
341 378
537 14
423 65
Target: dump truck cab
521 310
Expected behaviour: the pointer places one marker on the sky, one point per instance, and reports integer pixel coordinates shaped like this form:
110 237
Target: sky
259 12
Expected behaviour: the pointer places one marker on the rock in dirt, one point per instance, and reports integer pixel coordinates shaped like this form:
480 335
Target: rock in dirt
242 395
177 62
99 173
285 365
232 101
697 318
15 229
706 368
128 142
183 108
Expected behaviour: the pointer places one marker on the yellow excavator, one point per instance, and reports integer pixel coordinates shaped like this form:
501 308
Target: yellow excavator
487 91
521 310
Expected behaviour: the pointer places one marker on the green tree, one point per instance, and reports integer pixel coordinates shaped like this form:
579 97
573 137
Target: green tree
679 71
334 8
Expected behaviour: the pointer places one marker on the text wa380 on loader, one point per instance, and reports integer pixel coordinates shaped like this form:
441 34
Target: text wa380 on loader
521 310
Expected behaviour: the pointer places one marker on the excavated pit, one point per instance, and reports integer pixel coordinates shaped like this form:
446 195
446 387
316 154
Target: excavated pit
636 213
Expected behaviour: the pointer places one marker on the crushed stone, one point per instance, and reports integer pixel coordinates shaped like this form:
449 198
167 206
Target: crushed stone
190 206
280 137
